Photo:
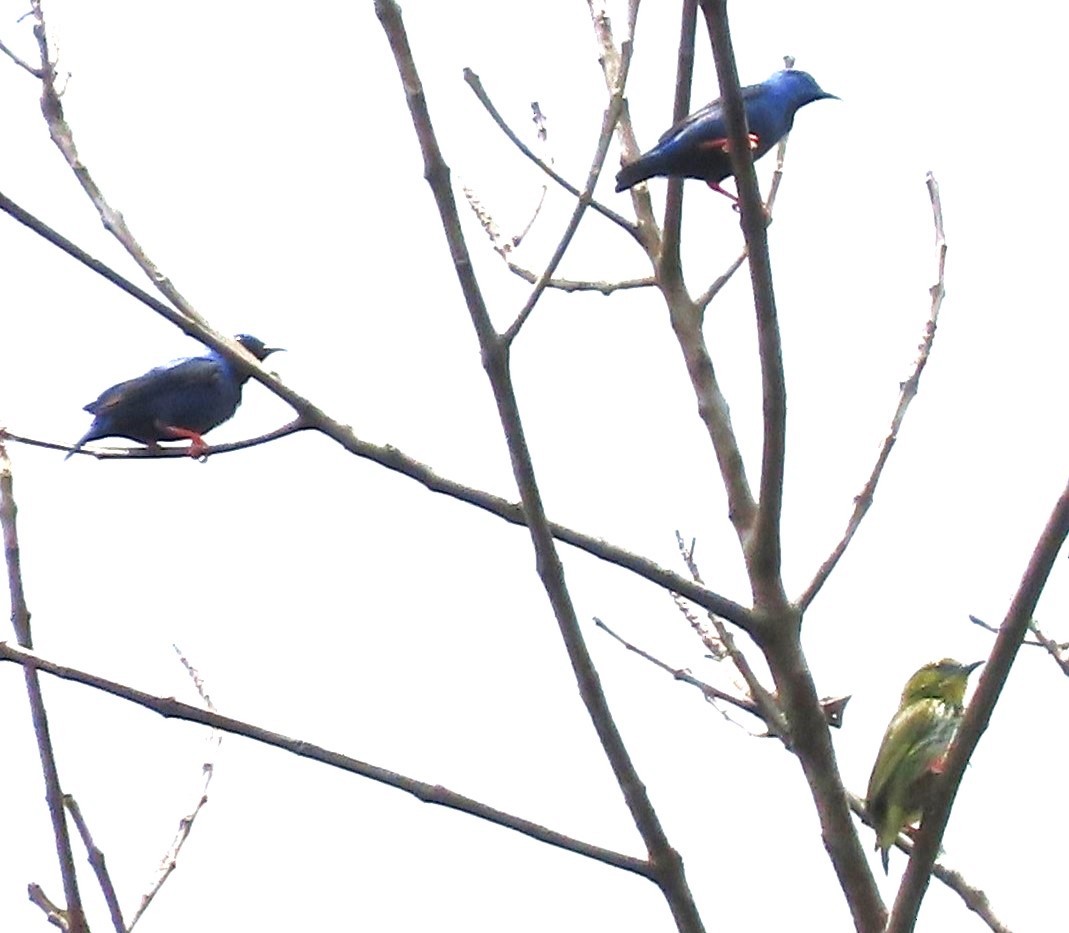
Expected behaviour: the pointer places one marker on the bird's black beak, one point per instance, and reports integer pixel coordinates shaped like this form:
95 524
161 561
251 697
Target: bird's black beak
828 96
269 350
969 668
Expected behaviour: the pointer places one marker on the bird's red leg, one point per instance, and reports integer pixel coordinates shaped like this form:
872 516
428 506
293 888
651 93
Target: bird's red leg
727 194
724 145
197 446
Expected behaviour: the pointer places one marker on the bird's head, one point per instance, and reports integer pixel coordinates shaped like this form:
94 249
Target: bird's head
256 346
941 680
799 86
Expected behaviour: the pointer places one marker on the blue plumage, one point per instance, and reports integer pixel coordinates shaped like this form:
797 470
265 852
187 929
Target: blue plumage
182 400
697 147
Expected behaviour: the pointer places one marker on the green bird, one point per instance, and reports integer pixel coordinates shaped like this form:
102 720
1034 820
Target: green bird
914 747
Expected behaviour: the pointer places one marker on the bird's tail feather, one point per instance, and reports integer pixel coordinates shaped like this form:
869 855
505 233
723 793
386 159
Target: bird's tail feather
632 174
89 435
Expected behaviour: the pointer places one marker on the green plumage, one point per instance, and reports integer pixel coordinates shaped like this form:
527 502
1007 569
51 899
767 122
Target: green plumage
913 748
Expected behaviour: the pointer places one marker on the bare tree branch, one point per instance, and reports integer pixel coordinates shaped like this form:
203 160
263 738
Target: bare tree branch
571 285
476 85
185 825
673 205
667 866
710 692
54 914
171 708
762 548
863 500
1053 648
73 914
24 65
96 859
703 300
770 709
977 716
612 114
311 416
60 131
609 57
160 453
973 898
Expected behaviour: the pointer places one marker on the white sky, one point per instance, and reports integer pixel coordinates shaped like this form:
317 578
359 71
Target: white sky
263 155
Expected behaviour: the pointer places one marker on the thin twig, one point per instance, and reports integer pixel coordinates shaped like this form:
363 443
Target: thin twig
33 72
73 914
1040 641
863 500
475 83
185 825
96 859
63 137
764 700
703 300
609 57
978 715
160 453
710 692
580 285
1051 646
612 114
171 708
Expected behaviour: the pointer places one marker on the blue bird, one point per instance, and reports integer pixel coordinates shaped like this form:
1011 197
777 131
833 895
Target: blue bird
698 146
181 400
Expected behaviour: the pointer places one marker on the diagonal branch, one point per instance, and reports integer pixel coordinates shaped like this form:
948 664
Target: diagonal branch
60 131
1052 648
20 620
704 299
710 692
1012 632
612 114
778 633
98 862
610 57
763 556
311 416
863 500
673 205
667 866
170 708
475 83
974 898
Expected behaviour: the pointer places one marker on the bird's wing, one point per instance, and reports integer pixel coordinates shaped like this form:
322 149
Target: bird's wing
913 740
710 116
190 374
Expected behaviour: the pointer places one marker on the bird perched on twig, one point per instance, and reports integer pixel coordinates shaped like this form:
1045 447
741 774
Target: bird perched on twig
181 400
914 747
698 146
